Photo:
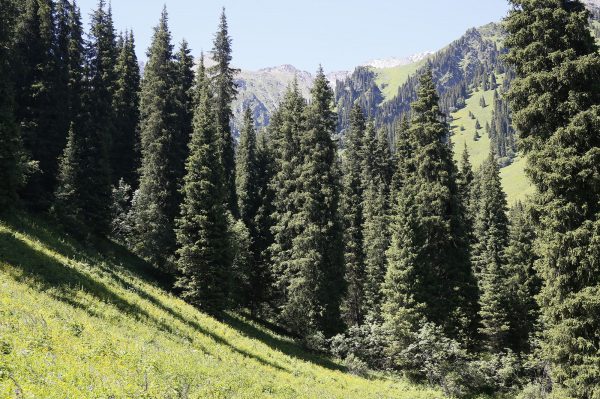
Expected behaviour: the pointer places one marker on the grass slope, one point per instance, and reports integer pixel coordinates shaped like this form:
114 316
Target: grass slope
78 323
515 183
390 79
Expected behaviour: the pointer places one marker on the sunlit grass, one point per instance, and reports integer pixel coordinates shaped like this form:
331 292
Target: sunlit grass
75 323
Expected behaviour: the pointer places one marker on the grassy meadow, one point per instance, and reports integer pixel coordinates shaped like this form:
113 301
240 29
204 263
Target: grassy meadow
78 323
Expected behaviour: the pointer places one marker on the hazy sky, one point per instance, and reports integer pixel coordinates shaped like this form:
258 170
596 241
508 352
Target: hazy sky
337 34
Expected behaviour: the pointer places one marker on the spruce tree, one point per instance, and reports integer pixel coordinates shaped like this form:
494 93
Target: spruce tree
158 199
249 183
10 140
125 150
491 238
353 218
285 129
465 186
319 248
41 95
557 115
97 126
376 182
225 90
429 274
203 230
523 281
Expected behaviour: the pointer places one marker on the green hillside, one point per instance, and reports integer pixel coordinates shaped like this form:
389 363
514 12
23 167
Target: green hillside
77 323
390 79
515 183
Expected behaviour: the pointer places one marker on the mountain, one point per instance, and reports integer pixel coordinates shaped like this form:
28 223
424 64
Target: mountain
262 90
592 3
392 62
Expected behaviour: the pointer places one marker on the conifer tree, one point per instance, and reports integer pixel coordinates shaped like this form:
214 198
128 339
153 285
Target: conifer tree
523 282
97 128
353 218
40 94
557 115
125 151
249 183
319 248
157 203
10 140
375 178
67 201
203 230
285 129
491 238
465 184
183 87
429 273
225 90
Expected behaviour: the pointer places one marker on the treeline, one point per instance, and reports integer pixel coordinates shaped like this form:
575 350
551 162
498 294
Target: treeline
392 257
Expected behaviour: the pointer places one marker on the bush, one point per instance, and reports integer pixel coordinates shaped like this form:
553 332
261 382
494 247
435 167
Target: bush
356 366
367 342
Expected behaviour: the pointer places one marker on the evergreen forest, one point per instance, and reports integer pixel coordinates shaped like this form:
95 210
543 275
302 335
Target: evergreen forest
351 232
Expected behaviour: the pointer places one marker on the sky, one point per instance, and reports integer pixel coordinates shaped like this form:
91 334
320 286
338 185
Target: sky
339 35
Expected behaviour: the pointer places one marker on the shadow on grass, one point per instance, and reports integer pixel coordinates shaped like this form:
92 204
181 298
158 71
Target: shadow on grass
287 347
45 273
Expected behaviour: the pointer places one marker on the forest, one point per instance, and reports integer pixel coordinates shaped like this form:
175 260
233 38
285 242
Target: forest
346 223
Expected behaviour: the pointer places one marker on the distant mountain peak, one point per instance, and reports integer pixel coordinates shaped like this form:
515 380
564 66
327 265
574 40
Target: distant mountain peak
593 3
285 68
392 62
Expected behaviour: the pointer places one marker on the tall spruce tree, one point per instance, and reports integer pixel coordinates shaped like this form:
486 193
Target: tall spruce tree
203 232
555 100
41 95
491 238
10 140
125 151
285 130
429 273
225 90
319 248
523 281
248 186
157 204
94 181
353 218
376 180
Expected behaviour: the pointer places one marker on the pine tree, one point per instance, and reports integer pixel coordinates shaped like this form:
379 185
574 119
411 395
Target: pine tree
429 273
319 247
10 140
491 238
158 199
285 129
67 201
523 282
96 128
203 230
225 91
125 150
248 186
353 217
557 115
465 184
184 83
376 181
41 95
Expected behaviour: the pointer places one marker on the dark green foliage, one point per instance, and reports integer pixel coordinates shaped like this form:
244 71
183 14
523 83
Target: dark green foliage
204 231
222 75
353 218
523 282
40 88
482 102
429 273
159 197
376 180
556 108
67 202
94 131
10 141
465 184
125 151
308 247
252 172
490 230
501 132
477 125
